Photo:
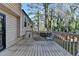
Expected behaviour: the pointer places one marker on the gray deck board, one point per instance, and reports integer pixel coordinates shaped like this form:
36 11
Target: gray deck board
35 48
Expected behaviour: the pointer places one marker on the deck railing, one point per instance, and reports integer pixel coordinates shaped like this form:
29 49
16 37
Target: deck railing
67 41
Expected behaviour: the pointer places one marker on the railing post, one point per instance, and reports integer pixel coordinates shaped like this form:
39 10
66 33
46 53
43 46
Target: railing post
64 44
78 46
70 44
60 40
73 46
67 42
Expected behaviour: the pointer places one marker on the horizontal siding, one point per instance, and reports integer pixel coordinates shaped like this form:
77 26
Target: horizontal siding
25 30
11 29
22 28
28 26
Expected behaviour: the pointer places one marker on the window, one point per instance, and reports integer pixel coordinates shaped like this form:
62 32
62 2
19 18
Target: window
29 35
25 23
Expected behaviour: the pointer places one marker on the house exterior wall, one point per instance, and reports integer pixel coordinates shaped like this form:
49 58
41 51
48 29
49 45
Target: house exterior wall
12 13
27 31
22 28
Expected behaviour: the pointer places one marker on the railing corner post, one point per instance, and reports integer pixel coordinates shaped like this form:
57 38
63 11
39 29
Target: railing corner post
77 48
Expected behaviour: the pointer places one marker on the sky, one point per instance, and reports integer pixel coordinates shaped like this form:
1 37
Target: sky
25 7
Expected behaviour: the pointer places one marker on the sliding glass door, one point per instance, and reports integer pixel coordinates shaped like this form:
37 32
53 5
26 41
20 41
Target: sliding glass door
2 31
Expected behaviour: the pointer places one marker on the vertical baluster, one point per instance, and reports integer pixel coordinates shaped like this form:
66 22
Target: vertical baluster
76 50
67 43
74 45
62 42
70 44
59 40
56 38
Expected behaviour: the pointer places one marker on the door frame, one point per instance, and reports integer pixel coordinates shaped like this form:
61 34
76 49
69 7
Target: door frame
3 31
18 27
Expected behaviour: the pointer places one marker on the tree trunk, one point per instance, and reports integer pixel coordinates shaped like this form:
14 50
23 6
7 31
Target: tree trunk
46 14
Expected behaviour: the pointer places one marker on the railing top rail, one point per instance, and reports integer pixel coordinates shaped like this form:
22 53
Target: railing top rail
65 33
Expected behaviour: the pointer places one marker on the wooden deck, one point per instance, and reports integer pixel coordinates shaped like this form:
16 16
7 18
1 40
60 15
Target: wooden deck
35 48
